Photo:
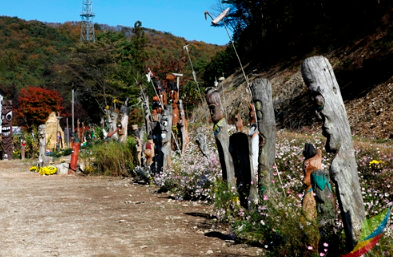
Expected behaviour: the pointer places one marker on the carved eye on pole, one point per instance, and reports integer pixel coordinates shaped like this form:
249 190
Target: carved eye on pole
258 107
8 116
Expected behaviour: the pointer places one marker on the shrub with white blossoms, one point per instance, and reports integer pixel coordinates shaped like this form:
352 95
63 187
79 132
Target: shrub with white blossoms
192 175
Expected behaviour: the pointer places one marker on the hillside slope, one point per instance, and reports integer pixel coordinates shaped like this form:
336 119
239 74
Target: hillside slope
364 71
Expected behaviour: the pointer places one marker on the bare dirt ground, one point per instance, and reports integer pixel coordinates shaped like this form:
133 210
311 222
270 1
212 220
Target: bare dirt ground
62 215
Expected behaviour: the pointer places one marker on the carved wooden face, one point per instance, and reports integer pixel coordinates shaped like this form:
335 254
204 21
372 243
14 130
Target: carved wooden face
6 118
253 117
165 127
214 103
258 108
328 104
333 139
41 132
158 85
154 116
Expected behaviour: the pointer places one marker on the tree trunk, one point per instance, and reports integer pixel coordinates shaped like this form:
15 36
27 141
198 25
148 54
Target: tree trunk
325 93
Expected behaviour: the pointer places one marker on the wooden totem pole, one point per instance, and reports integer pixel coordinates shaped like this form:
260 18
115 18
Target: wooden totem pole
42 145
239 150
253 144
174 98
6 129
23 149
329 107
200 139
262 98
311 163
146 108
161 92
74 156
164 160
124 111
113 116
138 144
220 129
149 151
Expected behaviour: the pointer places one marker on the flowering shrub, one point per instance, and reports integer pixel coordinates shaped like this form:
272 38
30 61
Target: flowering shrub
192 175
226 202
277 224
48 170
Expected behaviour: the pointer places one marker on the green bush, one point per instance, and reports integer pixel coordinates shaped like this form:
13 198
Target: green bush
226 202
277 225
109 158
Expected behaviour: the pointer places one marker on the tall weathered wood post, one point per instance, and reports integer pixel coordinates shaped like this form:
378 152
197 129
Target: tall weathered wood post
166 138
6 116
42 145
113 116
138 145
239 150
145 103
262 98
325 93
253 144
200 139
124 111
220 129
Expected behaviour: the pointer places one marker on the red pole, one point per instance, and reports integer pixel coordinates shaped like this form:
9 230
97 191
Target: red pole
74 156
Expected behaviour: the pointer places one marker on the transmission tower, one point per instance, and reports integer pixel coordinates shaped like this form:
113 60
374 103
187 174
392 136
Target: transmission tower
87 25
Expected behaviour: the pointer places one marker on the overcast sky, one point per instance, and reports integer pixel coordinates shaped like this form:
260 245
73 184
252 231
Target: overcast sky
182 18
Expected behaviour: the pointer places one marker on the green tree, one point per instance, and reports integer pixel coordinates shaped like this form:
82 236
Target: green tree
138 50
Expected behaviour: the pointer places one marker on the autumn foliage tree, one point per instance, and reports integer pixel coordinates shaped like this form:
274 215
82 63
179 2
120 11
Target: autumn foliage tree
36 103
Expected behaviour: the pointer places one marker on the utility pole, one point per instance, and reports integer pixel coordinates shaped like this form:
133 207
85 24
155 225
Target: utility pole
87 25
68 134
72 108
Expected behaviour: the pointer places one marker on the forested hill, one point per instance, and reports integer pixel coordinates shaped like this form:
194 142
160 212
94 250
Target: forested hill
49 55
274 37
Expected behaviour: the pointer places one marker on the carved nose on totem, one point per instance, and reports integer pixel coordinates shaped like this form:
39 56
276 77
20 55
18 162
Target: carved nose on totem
320 101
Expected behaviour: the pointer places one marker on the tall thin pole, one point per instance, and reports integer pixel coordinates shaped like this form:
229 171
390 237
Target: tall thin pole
193 72
72 106
68 134
238 58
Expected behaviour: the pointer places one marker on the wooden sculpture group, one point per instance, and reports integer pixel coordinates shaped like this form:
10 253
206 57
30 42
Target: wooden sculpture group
248 163
247 160
166 126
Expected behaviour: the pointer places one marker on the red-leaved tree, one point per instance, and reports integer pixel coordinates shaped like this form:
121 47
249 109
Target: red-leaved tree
36 103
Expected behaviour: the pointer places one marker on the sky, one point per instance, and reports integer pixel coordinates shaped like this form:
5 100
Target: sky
181 18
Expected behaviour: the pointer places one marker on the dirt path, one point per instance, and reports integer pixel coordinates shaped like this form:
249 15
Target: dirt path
94 216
